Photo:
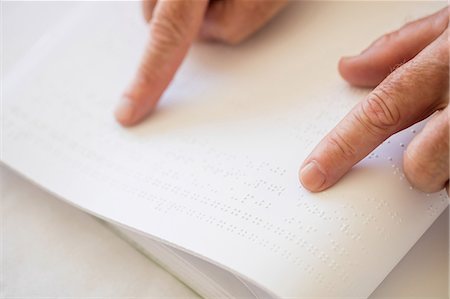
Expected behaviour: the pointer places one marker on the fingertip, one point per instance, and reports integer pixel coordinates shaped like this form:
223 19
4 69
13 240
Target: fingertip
312 177
128 113
416 174
357 71
344 70
350 70
426 159
124 112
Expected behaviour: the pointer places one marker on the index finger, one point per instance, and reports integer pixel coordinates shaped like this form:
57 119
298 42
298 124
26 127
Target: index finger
409 94
174 25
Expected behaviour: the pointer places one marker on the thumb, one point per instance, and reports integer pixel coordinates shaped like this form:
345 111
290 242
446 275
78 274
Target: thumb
393 49
173 27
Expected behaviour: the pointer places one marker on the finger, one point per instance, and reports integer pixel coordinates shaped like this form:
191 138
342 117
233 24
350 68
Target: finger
233 21
393 49
408 95
426 159
173 27
147 9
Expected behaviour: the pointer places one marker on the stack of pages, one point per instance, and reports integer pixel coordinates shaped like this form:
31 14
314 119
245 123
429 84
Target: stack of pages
208 184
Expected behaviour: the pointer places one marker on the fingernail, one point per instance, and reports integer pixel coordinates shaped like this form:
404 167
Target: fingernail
125 111
311 177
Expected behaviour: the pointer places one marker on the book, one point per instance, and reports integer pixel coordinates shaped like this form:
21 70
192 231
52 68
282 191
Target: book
208 185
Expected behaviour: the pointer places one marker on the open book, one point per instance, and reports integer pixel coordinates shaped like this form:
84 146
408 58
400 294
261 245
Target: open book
208 185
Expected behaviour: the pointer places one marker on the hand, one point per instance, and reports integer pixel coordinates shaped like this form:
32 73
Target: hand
411 68
173 26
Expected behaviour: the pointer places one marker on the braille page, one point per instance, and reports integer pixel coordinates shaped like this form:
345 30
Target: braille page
214 170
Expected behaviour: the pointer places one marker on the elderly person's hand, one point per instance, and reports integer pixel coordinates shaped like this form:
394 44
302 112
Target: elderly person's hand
410 69
174 24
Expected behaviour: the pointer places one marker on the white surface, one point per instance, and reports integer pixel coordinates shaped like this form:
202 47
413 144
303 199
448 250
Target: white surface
50 249
208 280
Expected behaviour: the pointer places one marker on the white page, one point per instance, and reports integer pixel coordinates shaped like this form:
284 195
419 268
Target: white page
214 171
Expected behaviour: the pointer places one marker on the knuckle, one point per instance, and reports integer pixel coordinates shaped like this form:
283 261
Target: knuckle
233 40
231 35
387 38
440 20
337 142
392 36
167 33
443 46
147 9
379 113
